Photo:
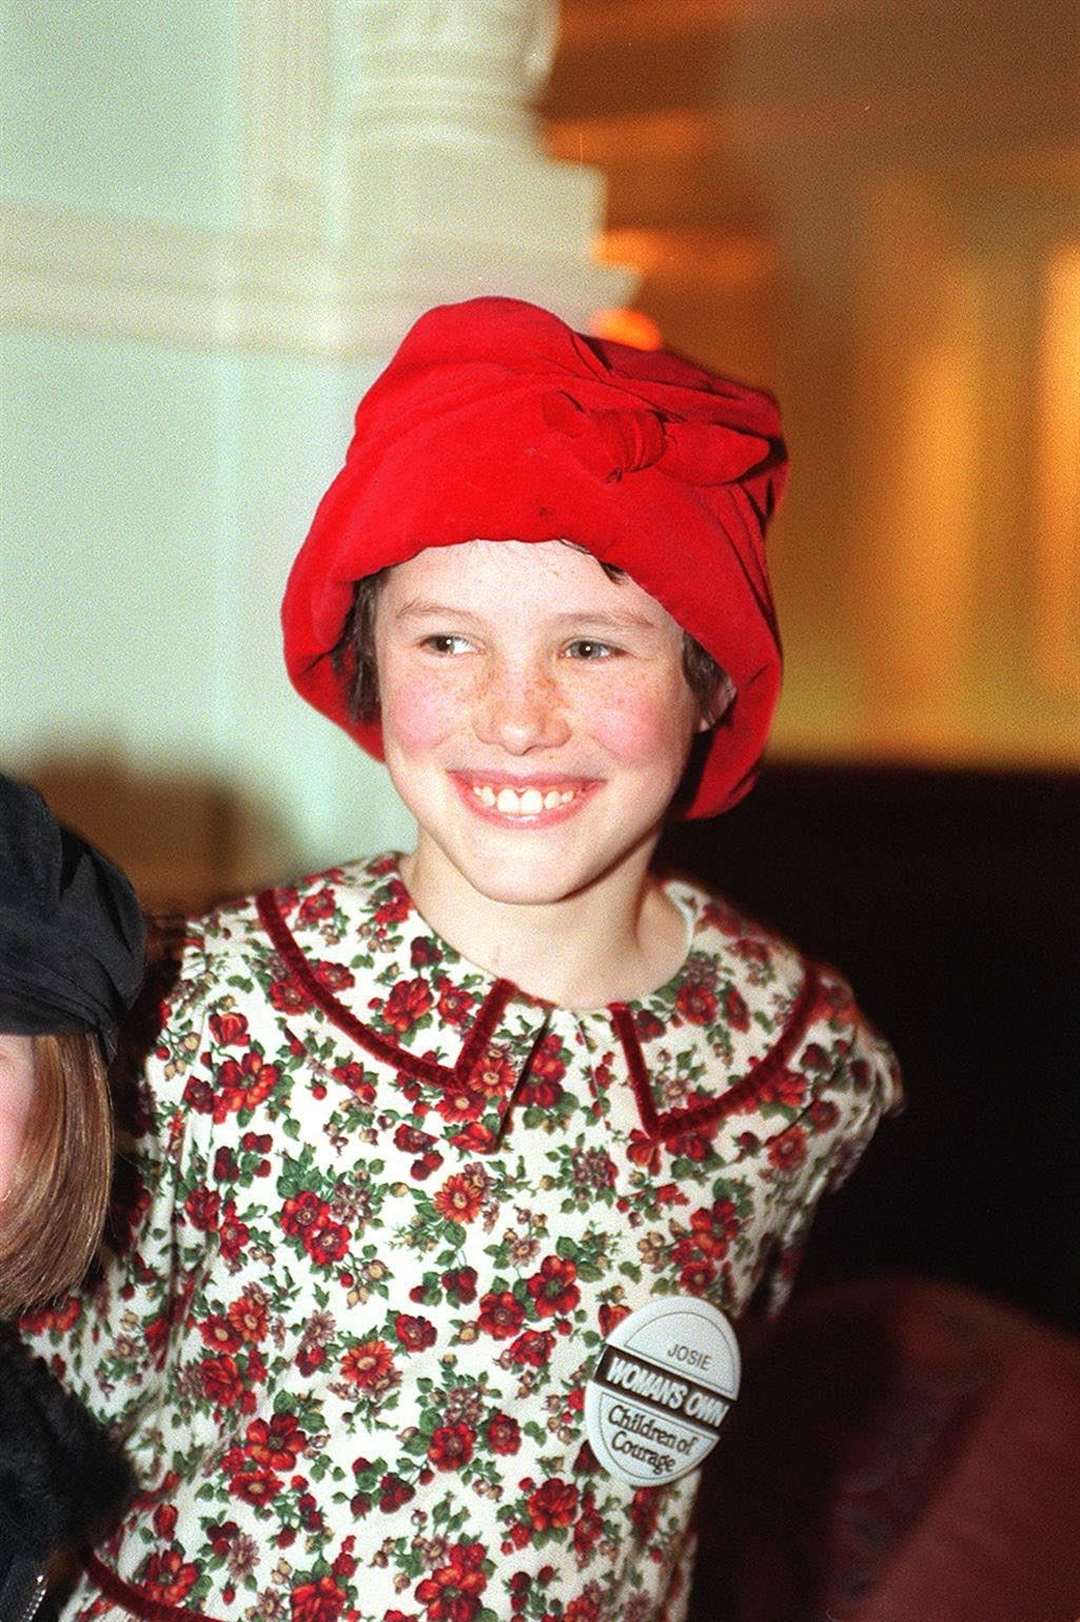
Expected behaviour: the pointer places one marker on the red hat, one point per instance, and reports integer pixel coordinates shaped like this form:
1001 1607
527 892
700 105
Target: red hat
495 420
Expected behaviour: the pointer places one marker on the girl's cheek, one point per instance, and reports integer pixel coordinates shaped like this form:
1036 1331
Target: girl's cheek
635 724
420 713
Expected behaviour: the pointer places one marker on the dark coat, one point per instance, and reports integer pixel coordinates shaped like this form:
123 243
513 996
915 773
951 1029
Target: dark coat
61 1481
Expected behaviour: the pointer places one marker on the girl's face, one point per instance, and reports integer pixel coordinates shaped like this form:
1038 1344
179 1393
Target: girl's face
535 716
16 1090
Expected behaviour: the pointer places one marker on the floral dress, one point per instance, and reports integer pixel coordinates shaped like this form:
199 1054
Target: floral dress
384 1212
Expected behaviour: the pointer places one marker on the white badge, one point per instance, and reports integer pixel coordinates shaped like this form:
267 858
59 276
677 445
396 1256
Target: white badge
666 1377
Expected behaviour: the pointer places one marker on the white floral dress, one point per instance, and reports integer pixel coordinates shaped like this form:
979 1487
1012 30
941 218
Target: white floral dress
384 1210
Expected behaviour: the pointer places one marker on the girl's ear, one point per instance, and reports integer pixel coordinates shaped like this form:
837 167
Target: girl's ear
721 704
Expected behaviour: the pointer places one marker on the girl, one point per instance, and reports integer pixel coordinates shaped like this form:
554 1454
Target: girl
71 951
461 1169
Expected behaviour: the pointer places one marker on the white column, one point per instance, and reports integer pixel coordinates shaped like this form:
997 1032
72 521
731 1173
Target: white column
450 194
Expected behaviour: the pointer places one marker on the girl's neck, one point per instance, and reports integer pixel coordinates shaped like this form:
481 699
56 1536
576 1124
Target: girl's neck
615 941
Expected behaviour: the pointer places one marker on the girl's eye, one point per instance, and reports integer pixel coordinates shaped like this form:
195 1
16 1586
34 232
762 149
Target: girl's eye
584 648
447 644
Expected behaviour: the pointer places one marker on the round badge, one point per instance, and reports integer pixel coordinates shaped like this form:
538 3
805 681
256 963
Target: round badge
666 1377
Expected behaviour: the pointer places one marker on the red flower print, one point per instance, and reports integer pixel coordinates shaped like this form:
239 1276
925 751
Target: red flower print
167 1578
415 1334
242 1086
475 1138
455 1003
553 1289
553 1504
788 1149
533 1348
696 1003
327 1243
612 1314
370 1365
460 1197
165 1521
393 1492
219 1334
542 1085
201 1209
233 1235
585 1608
823 1114
738 1015
814 1057
408 1001
395 908
229 1030
276 1443
334 976
647 1025
256 1486
492 1076
452 1592
321 1601
460 1285
413 1142
248 1318
643 1150
221 1381
460 1103
303 1211
503 1434
423 951
359 1084
783 1087
696 1277
317 906
588 1526
501 1314
288 997
691 1145
644 1511
451 1446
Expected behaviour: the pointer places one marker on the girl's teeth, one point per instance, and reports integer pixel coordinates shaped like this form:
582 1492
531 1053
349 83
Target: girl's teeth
527 804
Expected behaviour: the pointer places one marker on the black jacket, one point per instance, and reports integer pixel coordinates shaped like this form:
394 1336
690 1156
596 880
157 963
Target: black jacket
61 1481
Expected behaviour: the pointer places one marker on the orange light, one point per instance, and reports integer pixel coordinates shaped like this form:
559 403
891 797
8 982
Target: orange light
627 327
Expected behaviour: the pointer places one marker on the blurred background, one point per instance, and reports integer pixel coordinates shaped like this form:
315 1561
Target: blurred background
218 220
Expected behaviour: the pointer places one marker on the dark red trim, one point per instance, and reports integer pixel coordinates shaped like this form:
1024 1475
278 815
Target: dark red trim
429 1070
475 1044
741 1094
133 1600
623 1021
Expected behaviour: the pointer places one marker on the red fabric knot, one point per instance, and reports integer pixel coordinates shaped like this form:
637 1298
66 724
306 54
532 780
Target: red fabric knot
611 443
608 443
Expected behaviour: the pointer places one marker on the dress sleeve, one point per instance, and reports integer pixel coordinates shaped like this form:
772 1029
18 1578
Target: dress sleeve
853 1081
110 1341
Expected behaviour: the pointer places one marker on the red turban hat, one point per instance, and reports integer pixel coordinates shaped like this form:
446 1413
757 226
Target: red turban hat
496 421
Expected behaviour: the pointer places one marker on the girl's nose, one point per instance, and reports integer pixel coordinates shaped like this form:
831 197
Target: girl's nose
520 711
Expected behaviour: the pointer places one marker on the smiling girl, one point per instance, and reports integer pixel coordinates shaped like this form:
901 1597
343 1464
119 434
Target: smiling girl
460 1168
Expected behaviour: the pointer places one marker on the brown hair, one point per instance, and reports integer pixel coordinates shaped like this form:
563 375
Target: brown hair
353 657
52 1214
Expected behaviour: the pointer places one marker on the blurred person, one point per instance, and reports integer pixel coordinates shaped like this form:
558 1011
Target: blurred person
461 1171
71 958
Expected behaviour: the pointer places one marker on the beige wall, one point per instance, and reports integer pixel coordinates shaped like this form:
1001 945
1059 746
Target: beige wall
875 210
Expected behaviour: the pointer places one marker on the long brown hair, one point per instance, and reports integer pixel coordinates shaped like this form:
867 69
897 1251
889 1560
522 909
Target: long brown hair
52 1214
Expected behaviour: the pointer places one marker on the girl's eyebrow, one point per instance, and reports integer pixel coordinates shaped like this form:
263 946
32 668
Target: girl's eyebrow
427 608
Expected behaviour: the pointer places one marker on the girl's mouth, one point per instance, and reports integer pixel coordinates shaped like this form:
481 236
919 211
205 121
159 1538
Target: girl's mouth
533 803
